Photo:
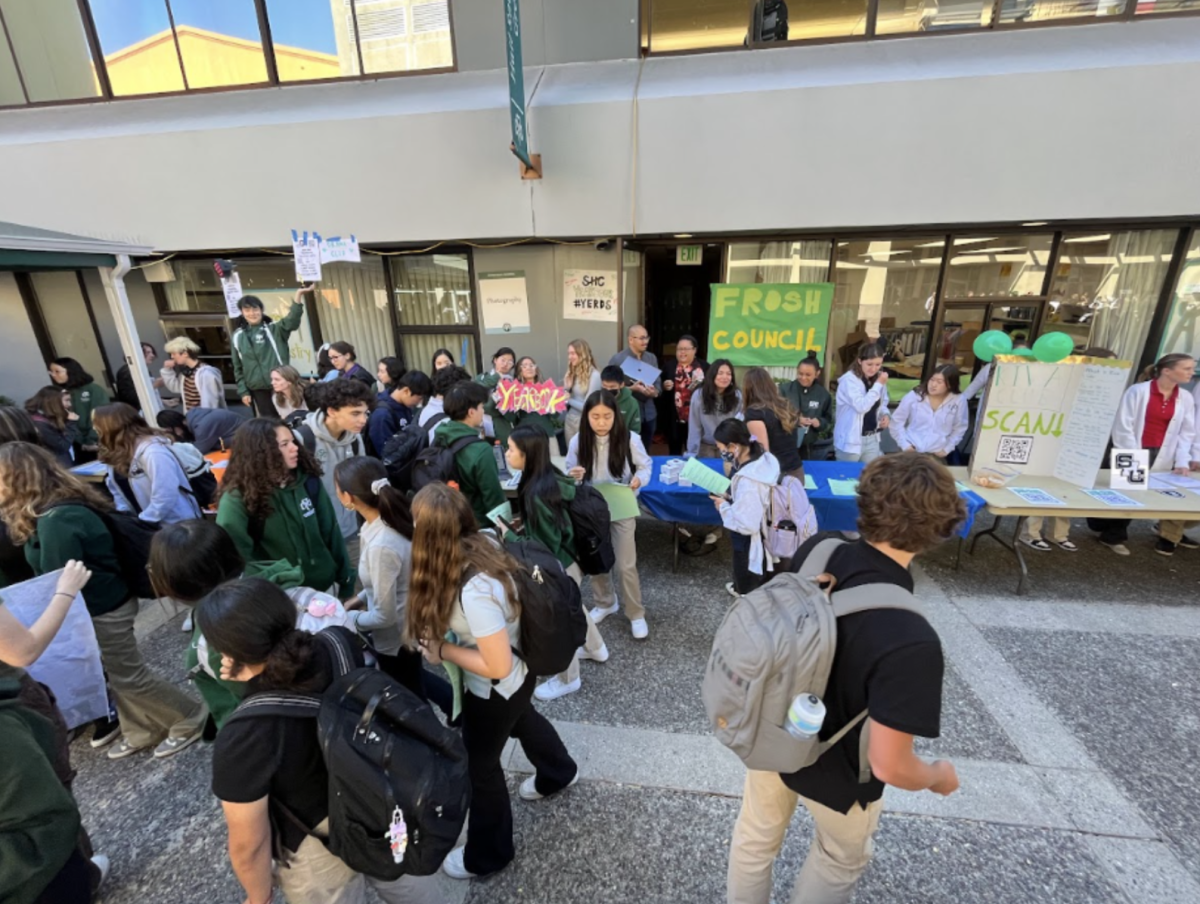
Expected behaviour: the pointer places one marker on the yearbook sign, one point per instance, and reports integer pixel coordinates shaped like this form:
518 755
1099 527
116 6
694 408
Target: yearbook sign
769 325
590 295
1049 420
542 398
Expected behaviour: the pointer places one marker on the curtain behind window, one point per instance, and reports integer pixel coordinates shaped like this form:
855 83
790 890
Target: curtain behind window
352 304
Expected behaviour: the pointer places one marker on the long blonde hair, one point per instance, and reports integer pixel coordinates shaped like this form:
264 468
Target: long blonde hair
446 549
30 481
294 397
581 373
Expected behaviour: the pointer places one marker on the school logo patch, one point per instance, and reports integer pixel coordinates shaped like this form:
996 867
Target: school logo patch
307 509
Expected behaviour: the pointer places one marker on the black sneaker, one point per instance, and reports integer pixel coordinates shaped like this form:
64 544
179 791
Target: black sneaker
1164 547
1186 542
107 731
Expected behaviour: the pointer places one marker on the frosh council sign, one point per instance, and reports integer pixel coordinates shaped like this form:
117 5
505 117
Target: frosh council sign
769 325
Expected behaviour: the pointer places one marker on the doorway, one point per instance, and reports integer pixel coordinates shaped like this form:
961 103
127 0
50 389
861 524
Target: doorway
677 295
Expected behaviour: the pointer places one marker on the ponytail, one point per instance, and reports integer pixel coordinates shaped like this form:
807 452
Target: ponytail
1166 362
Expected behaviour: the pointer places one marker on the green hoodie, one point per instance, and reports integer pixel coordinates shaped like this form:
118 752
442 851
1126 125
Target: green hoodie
478 477
259 349
85 400
631 410
75 532
220 696
301 529
39 820
559 539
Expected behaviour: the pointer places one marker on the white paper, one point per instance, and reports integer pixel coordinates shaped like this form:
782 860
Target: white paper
1089 422
590 295
339 248
1165 480
504 301
306 248
232 285
71 664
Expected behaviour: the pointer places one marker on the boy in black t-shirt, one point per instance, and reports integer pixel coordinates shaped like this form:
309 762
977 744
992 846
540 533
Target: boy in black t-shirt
888 662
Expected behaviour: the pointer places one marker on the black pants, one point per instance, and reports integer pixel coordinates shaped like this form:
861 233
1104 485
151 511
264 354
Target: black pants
71 885
487 726
647 434
408 668
264 403
677 434
1115 530
744 580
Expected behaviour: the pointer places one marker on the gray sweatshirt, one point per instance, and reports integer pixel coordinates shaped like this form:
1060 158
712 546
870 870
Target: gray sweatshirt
383 567
329 453
701 426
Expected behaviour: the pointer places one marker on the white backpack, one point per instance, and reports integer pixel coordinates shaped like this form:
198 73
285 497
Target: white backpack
773 644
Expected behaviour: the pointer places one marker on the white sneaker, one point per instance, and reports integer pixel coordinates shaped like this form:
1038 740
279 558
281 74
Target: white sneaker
104 867
553 689
601 655
453 867
732 590
710 538
599 613
640 630
186 627
529 791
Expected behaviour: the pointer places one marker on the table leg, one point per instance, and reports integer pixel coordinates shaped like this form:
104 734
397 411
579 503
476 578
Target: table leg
675 542
958 555
1013 546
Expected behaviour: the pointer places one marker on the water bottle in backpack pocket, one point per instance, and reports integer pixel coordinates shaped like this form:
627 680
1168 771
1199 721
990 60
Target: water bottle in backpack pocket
793 519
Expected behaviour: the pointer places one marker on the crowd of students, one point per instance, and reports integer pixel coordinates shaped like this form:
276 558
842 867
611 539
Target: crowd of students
315 529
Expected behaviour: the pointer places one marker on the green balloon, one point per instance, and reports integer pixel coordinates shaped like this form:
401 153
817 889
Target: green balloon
1053 347
990 343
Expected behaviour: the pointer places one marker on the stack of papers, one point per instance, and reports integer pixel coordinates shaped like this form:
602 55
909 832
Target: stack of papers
705 477
843 487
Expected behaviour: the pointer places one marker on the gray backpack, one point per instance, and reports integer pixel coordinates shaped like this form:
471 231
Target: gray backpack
773 644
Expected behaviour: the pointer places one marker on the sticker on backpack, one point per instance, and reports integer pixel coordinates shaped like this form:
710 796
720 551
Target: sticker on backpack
397 835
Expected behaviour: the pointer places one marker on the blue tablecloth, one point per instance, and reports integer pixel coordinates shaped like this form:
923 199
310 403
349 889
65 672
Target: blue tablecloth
692 505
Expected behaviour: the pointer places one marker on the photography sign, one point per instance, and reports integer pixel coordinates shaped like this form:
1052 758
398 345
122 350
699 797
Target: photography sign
504 302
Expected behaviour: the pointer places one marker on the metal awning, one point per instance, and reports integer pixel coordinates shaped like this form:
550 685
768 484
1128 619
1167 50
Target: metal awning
31 248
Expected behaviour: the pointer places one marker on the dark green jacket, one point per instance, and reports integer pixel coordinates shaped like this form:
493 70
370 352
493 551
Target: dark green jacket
39 821
631 410
302 531
559 539
254 356
220 696
75 532
814 401
85 400
478 477
501 427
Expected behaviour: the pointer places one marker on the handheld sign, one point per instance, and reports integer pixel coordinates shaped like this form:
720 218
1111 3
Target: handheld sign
539 398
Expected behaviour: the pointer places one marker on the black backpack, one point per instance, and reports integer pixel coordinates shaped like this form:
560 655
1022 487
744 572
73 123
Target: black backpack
592 523
401 451
553 623
131 538
398 784
437 463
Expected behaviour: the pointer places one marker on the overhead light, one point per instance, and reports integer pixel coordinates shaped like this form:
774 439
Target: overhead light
1090 238
683 235
1035 223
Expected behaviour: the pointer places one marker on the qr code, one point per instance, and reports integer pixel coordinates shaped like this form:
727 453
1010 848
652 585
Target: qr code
1015 450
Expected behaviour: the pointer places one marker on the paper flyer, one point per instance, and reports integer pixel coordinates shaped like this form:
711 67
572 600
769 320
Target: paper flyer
622 501
1034 496
705 477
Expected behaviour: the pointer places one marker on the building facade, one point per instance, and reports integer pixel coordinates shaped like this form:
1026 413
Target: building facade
949 166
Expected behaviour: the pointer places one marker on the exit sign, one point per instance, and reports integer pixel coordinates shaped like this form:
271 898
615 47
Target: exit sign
689 255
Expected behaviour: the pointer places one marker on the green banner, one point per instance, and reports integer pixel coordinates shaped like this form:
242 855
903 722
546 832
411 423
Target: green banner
516 80
769 325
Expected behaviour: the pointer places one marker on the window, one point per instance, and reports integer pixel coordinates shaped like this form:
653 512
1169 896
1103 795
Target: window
1165 6
219 42
779 262
1003 266
51 51
885 289
435 308
697 24
138 45
1030 11
311 40
906 16
1106 287
1182 335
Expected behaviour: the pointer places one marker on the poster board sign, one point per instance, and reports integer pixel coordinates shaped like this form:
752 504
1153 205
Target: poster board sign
1049 420
767 324
590 295
306 249
340 248
276 304
504 302
232 287
541 398
70 666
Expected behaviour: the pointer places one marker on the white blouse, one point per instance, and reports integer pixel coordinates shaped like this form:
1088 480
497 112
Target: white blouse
916 423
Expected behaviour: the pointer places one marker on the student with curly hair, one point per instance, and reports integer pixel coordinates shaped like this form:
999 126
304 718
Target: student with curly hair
274 506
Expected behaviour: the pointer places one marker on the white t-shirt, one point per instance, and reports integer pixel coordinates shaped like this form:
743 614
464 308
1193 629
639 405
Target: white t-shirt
485 611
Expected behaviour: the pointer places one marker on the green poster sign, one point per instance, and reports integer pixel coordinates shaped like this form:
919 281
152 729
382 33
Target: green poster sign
769 325
516 80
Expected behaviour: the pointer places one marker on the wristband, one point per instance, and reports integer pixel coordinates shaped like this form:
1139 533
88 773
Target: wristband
63 593
441 646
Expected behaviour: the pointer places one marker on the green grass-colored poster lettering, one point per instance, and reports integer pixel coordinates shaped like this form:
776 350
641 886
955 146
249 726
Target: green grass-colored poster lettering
769 325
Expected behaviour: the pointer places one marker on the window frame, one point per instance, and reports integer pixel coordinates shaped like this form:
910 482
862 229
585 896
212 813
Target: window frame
268 49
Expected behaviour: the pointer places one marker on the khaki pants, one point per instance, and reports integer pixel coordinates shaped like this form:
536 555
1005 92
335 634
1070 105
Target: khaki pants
626 570
1173 530
150 708
592 643
840 851
1059 528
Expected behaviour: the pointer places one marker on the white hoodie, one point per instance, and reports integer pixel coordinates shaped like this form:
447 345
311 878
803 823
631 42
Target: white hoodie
750 511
